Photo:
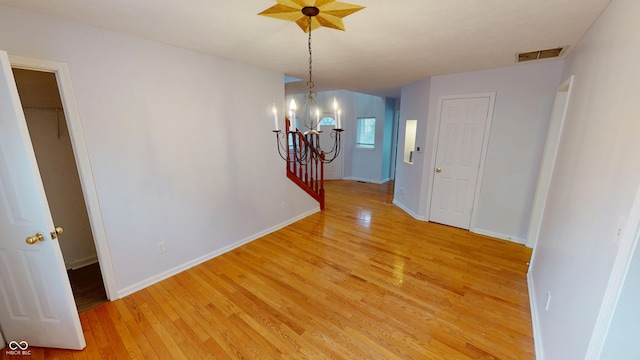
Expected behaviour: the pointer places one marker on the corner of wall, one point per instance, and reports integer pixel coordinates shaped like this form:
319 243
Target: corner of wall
408 211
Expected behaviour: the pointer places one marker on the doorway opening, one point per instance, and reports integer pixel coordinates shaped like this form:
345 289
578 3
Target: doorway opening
45 117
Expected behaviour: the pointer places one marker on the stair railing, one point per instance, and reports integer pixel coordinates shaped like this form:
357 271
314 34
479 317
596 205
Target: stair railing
304 163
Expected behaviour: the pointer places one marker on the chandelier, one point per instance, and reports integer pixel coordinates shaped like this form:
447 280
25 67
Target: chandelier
293 144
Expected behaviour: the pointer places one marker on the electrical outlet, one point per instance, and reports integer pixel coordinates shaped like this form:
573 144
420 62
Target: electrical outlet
283 205
161 247
548 302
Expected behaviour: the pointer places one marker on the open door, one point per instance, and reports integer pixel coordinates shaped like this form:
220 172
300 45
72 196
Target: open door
36 302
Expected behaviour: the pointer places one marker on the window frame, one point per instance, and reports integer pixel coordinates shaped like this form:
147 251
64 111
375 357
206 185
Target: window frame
359 133
323 120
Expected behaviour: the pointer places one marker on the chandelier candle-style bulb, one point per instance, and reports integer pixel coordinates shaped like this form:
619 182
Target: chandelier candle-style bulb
274 109
338 125
318 119
335 113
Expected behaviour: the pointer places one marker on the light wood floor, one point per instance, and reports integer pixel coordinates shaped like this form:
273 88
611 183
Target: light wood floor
361 280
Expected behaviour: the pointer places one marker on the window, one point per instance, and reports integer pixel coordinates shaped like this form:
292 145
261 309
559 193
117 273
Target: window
366 133
328 121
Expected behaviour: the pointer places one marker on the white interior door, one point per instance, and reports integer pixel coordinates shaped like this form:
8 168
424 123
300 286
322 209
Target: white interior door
36 302
332 170
463 124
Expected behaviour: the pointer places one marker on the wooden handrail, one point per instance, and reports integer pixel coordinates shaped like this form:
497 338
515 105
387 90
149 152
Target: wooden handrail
307 174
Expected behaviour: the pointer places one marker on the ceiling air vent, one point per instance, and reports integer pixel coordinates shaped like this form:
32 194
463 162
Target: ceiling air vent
540 54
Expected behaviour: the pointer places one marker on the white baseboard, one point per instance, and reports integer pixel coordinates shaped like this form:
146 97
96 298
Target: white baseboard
77 264
499 236
406 209
178 269
535 319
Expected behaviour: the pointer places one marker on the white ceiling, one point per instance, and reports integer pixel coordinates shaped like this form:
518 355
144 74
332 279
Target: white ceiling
386 45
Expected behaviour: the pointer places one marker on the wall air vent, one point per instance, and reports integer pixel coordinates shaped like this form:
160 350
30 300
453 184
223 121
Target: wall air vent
540 54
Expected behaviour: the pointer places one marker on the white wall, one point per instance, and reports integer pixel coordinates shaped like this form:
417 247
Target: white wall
176 140
524 97
593 185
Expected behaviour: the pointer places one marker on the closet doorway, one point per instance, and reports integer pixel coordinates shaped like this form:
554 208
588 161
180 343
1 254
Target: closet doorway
45 116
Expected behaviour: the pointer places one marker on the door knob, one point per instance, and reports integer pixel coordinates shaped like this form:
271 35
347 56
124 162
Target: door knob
58 231
35 238
438 170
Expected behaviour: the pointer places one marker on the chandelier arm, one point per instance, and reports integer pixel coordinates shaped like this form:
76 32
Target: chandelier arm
335 151
300 152
335 143
279 136
295 151
300 148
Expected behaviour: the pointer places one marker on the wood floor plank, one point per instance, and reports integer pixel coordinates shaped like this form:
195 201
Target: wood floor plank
162 328
191 308
134 332
360 280
147 330
99 335
91 351
121 333
114 336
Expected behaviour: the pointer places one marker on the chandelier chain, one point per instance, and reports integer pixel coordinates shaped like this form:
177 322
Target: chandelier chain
310 82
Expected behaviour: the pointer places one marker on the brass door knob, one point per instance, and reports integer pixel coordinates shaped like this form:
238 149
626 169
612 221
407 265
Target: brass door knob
438 170
58 231
35 238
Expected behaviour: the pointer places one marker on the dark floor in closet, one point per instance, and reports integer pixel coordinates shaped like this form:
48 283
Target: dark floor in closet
88 287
